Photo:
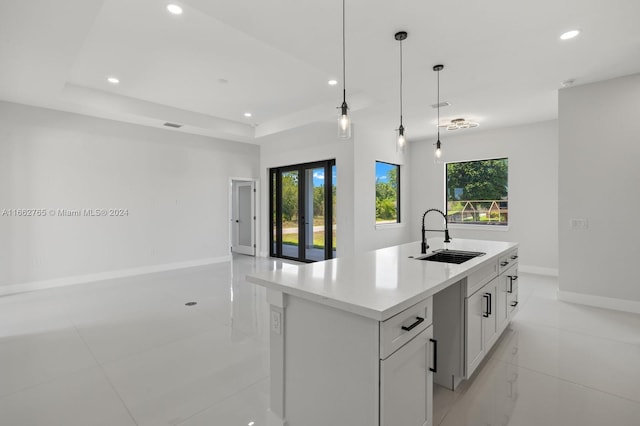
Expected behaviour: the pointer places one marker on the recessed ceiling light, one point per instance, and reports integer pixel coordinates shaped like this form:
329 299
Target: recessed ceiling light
113 80
175 9
247 114
569 34
332 82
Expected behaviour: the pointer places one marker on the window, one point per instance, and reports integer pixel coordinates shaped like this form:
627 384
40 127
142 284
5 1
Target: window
478 192
387 193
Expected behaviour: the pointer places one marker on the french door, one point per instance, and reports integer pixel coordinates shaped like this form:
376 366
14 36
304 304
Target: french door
302 205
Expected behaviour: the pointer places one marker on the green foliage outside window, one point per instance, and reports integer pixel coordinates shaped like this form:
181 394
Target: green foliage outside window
478 192
387 193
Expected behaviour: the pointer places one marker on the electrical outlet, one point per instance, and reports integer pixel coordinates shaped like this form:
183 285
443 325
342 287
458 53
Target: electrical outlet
276 322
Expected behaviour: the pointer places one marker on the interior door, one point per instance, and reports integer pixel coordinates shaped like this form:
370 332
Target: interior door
243 218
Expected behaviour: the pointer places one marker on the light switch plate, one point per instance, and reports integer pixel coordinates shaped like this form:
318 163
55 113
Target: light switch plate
579 223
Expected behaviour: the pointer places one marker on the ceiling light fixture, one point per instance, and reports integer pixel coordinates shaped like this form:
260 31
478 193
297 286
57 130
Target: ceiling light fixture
113 80
569 35
247 114
438 152
174 9
344 123
332 82
401 140
459 123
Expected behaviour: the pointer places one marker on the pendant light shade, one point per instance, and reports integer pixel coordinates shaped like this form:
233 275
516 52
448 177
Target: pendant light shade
401 139
438 151
344 121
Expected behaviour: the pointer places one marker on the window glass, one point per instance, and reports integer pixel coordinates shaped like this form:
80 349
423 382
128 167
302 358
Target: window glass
387 193
478 192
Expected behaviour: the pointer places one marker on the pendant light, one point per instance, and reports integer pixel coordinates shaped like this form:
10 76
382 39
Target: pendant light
344 123
438 152
401 140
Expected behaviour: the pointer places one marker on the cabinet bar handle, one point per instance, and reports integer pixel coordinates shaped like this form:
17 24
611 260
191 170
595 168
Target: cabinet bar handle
510 284
514 257
435 356
414 325
486 296
514 304
504 263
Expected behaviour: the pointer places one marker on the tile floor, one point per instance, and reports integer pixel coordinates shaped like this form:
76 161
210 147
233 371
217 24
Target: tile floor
129 352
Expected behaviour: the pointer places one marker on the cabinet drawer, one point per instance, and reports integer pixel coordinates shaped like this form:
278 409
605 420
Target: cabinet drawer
414 320
507 261
477 279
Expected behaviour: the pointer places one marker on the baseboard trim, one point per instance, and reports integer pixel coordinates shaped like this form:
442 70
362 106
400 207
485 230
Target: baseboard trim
600 301
550 272
101 276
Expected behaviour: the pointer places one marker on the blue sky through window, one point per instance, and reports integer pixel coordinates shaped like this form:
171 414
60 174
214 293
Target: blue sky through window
382 171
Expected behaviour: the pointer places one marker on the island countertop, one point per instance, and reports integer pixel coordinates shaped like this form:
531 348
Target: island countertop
380 283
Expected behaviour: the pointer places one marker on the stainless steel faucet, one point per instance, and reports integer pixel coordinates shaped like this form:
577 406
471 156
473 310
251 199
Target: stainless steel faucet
447 239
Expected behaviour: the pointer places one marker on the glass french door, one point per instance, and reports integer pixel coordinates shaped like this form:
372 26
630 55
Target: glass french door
302 208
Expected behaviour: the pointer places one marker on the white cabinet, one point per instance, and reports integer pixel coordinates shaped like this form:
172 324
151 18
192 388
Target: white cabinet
406 383
489 309
481 325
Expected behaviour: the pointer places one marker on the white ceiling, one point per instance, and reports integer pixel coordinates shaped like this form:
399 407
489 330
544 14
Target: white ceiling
503 60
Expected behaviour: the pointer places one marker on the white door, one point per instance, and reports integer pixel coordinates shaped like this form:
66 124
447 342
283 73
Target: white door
243 218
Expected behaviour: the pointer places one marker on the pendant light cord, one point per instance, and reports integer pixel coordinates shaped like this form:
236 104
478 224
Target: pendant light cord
400 82
438 124
344 73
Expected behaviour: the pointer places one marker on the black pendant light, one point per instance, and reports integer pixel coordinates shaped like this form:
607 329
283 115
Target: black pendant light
344 123
438 152
401 140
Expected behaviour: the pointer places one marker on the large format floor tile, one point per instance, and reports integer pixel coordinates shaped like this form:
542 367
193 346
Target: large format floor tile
128 351
34 358
169 384
505 394
79 399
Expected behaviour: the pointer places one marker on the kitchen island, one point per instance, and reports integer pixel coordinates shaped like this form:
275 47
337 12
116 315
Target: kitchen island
358 340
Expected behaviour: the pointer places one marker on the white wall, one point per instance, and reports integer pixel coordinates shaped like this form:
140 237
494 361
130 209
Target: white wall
307 144
174 185
600 182
533 186
355 165
370 146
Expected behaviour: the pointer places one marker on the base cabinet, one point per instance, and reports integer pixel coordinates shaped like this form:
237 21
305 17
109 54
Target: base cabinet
481 324
406 383
488 311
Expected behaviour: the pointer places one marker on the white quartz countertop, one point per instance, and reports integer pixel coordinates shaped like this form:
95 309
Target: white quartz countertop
381 283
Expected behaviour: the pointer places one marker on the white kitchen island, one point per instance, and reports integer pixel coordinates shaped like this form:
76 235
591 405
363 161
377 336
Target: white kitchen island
358 340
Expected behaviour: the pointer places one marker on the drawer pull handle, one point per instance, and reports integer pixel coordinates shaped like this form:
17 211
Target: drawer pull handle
487 296
514 257
435 356
514 304
414 325
505 263
512 278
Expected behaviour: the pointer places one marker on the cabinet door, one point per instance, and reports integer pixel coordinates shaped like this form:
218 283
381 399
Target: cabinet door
474 344
502 310
406 388
489 320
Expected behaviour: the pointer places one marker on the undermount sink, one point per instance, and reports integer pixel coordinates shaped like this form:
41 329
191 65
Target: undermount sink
451 256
